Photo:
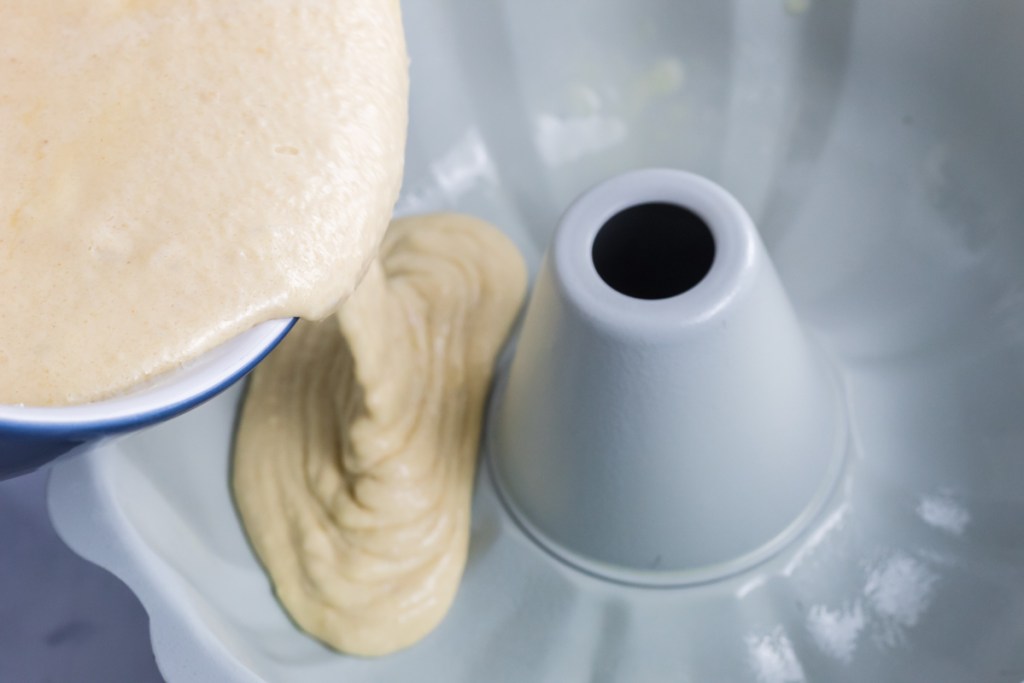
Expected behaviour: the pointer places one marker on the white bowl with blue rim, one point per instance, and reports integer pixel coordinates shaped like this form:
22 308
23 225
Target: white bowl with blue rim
33 436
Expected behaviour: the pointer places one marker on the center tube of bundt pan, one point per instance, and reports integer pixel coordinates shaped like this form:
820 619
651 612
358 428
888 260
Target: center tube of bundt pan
665 419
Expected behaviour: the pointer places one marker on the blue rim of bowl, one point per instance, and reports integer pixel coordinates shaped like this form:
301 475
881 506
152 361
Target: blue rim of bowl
47 422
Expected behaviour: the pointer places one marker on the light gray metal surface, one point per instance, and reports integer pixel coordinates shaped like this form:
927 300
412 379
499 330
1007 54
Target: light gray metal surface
877 147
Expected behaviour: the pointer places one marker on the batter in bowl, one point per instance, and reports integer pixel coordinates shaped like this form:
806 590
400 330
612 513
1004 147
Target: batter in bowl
357 446
173 173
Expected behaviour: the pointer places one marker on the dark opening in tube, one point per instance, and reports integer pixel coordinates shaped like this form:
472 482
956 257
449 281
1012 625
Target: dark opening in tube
654 251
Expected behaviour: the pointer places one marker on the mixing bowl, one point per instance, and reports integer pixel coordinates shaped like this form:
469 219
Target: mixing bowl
33 436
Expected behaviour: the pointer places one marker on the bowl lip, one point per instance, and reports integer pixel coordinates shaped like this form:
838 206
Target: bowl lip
174 398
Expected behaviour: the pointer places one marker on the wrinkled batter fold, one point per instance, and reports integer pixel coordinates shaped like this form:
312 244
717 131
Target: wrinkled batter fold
358 440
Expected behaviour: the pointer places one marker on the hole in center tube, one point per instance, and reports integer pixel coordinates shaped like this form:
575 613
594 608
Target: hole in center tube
653 251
